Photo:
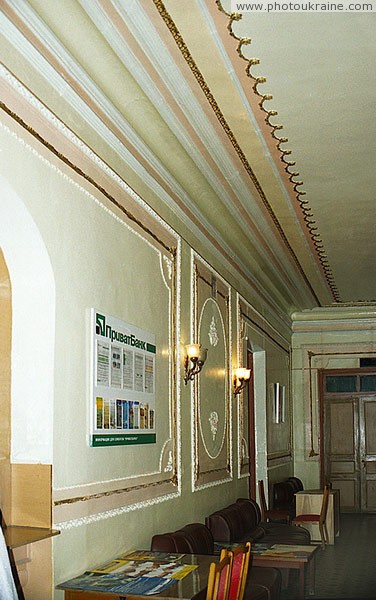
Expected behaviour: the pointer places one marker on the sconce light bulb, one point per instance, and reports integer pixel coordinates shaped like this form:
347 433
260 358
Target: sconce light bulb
242 373
247 374
193 350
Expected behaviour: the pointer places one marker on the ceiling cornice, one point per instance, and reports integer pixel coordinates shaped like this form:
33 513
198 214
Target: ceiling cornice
222 120
304 205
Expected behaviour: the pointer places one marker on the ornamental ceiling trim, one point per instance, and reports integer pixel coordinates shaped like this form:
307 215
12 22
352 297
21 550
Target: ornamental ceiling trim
306 211
304 205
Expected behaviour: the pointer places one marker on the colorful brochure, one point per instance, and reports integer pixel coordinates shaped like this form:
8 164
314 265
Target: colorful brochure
139 586
137 572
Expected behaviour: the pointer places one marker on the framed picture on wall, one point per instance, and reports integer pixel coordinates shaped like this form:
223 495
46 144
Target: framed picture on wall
279 402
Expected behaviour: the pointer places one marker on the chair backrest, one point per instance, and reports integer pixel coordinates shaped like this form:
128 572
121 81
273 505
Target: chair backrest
193 538
251 504
163 542
298 484
240 564
249 516
263 505
283 494
219 579
219 527
200 538
325 502
182 542
232 514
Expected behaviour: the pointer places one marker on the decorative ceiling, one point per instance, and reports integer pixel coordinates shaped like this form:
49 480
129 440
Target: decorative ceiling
257 130
320 71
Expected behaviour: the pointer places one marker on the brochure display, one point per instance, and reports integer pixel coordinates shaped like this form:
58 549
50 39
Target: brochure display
137 573
122 383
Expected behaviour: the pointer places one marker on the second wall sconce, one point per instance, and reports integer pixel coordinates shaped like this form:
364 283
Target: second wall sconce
194 360
241 376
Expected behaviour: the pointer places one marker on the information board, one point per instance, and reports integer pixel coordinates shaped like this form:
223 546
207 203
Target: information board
122 383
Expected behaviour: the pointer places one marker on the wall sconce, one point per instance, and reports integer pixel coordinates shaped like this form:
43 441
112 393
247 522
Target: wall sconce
241 376
197 356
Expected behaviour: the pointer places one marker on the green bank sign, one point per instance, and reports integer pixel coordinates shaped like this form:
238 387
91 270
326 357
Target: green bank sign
105 330
123 440
122 382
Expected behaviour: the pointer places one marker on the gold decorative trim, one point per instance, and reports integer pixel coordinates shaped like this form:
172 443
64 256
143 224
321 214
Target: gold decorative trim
81 173
221 119
173 480
310 222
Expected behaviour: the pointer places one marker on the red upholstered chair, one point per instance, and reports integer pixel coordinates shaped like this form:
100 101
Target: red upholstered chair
240 564
271 514
320 518
219 579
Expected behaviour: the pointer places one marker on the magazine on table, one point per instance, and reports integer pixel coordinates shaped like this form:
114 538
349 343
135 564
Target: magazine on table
135 572
97 582
146 568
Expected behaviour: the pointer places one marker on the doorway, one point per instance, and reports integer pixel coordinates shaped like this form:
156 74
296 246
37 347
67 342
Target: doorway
251 426
348 431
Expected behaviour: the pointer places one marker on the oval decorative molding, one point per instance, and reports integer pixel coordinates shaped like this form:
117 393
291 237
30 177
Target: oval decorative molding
212 391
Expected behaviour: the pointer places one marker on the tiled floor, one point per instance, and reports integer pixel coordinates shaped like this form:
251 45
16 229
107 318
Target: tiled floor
346 570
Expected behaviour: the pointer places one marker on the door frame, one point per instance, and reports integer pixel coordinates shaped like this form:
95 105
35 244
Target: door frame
251 427
357 394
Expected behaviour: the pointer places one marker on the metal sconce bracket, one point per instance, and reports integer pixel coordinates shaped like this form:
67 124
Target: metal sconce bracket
241 378
197 356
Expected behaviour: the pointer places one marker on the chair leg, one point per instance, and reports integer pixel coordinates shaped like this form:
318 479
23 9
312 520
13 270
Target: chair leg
322 534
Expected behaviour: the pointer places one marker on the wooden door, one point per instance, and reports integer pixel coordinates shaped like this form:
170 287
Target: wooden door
349 431
341 450
367 454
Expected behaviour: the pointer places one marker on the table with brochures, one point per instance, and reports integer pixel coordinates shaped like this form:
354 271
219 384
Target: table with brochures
140 573
283 556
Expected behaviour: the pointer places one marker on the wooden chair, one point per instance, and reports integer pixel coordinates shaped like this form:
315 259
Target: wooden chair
320 518
271 514
219 579
240 565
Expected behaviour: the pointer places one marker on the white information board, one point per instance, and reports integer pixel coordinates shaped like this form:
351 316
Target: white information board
122 383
